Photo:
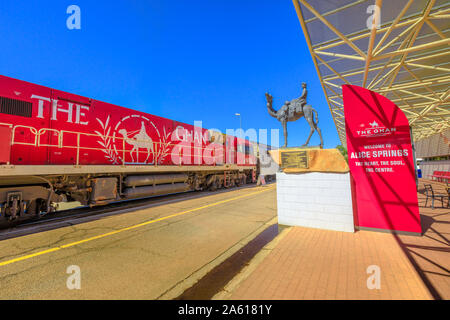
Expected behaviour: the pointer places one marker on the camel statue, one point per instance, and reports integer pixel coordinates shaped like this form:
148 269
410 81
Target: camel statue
140 140
294 110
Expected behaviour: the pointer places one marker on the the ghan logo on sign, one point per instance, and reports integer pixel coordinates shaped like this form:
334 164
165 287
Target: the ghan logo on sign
374 130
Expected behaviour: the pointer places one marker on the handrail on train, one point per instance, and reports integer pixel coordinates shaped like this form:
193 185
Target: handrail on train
60 143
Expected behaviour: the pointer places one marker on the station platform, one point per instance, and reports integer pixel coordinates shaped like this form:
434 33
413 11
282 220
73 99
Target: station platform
149 253
165 250
306 263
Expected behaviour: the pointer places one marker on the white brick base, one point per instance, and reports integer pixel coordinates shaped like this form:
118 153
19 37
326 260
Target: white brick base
315 200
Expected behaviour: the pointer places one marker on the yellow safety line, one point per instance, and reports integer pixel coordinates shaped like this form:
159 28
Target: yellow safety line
125 229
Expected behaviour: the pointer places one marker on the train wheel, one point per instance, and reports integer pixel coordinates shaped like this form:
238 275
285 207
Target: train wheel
32 208
14 209
213 186
41 207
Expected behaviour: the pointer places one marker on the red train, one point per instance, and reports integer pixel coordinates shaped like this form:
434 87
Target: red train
56 146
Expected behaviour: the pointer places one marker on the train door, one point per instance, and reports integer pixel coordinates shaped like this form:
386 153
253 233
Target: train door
230 147
24 110
221 154
240 151
69 130
251 153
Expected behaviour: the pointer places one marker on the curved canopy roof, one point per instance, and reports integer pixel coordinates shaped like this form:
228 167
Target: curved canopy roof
405 57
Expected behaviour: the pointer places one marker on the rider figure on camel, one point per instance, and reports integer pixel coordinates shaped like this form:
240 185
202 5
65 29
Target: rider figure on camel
301 99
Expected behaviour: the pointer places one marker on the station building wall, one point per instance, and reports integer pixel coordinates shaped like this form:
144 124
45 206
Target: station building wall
434 152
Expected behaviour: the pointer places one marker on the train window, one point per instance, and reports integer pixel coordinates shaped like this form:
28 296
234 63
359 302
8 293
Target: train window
15 107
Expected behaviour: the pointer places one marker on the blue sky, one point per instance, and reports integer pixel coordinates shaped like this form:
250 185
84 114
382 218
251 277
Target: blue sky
184 60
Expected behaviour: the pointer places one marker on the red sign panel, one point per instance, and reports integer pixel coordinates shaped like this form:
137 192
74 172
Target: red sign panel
381 162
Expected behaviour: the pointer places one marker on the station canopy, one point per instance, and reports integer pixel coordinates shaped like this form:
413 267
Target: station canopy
405 57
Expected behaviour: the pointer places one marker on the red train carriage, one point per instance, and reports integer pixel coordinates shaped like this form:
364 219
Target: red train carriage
56 146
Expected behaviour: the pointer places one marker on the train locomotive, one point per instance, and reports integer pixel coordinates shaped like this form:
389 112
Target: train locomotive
60 147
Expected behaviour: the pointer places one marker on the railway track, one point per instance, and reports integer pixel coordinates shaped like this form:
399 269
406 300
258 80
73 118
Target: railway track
84 214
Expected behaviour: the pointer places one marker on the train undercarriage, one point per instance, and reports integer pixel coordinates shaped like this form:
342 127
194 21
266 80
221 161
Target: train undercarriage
31 196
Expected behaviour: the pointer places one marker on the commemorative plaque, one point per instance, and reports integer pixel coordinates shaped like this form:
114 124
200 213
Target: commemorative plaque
294 159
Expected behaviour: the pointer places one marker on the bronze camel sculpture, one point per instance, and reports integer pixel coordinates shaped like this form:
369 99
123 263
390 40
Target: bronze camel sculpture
294 110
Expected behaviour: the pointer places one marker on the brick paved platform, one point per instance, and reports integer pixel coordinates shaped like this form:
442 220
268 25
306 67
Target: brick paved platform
309 263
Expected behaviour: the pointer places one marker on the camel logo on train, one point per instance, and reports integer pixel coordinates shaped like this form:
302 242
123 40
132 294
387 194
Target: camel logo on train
117 141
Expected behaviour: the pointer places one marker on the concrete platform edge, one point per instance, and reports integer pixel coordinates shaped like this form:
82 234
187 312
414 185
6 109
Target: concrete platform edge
188 282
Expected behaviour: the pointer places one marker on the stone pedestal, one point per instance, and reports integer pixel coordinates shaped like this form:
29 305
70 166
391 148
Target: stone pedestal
315 200
317 193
